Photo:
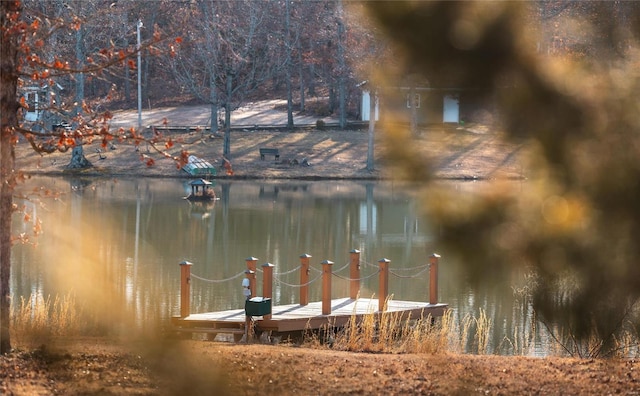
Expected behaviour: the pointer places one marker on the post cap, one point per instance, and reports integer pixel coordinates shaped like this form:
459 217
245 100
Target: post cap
248 271
268 265
355 251
185 262
384 260
251 258
435 255
305 256
328 262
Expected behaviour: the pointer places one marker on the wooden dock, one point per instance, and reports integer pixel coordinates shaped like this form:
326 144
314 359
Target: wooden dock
298 318
306 316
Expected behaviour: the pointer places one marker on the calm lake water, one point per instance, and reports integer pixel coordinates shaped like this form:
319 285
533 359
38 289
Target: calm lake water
116 246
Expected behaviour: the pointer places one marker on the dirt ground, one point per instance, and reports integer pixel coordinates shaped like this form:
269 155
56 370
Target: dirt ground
189 367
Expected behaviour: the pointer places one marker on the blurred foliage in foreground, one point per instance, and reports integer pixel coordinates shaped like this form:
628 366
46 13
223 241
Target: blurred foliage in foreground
574 223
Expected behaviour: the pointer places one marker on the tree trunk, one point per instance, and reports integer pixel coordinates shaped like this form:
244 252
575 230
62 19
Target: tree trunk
332 98
78 160
8 120
127 84
287 67
80 56
145 61
301 80
342 97
226 151
127 72
213 100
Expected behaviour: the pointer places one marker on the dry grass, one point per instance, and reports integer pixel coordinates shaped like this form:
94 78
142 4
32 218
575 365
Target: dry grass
36 319
392 333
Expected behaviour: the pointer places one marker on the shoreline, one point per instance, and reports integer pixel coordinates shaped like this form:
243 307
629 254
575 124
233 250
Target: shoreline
458 154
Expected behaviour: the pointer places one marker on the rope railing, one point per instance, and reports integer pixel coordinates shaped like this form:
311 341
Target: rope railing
298 285
343 267
417 267
368 264
425 269
288 272
356 279
383 270
315 269
217 280
336 274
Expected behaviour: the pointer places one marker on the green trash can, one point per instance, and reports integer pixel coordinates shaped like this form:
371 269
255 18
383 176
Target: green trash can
257 306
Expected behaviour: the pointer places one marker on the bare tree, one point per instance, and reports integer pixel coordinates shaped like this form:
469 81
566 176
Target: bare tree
229 52
197 67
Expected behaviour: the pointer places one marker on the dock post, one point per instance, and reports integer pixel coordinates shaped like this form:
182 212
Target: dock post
267 283
304 279
433 278
326 287
185 288
251 265
354 274
383 284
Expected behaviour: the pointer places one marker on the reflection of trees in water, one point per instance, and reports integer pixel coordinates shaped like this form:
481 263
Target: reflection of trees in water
79 184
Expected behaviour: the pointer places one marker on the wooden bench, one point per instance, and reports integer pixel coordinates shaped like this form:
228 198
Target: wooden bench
269 151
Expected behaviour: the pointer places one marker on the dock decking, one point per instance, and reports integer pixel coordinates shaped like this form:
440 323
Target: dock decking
295 317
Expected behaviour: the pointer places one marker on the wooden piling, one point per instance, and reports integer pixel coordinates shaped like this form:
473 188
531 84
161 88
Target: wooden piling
354 274
326 287
251 265
304 279
267 283
383 284
185 288
433 278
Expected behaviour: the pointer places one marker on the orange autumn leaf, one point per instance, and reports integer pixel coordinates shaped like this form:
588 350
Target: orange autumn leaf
168 144
37 228
77 24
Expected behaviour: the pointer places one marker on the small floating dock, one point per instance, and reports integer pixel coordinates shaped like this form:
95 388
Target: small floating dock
305 316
